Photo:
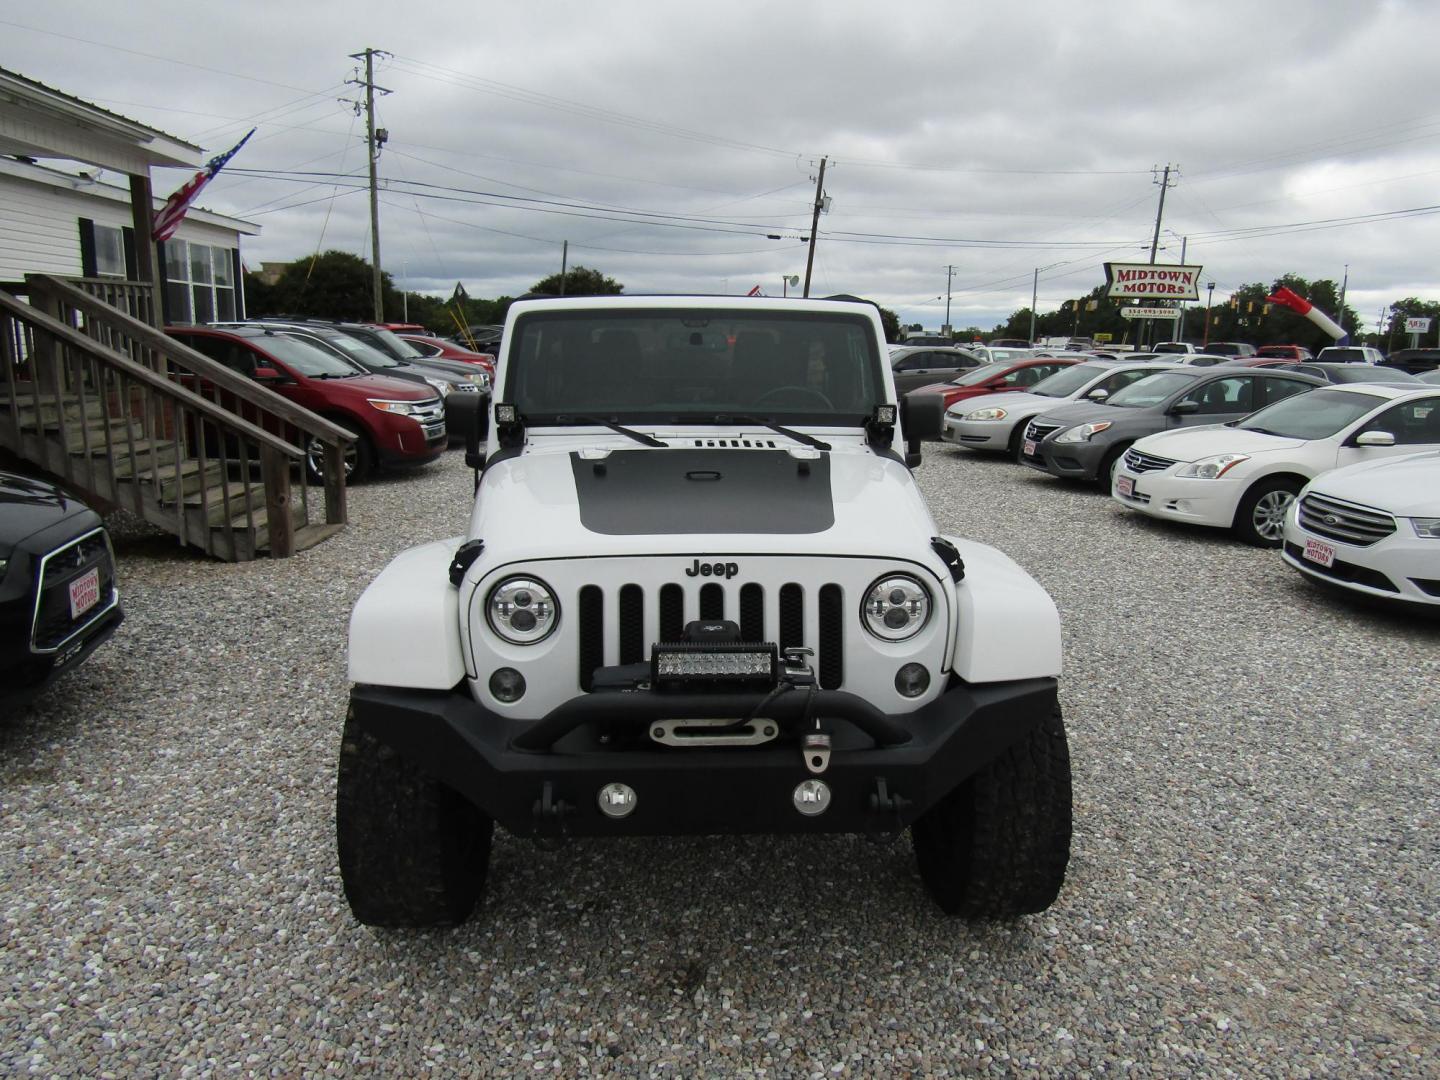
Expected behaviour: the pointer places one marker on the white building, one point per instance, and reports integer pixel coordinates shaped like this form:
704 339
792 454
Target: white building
75 220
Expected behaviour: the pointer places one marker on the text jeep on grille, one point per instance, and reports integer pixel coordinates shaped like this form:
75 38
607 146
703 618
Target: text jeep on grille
700 593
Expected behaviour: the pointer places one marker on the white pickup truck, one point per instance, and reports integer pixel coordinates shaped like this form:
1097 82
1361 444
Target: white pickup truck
700 593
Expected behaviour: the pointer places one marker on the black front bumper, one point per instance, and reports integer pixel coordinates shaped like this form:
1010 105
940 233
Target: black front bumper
884 772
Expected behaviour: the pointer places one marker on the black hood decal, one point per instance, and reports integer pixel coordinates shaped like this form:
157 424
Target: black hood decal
631 492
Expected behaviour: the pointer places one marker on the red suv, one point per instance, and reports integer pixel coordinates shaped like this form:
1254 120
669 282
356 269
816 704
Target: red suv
396 422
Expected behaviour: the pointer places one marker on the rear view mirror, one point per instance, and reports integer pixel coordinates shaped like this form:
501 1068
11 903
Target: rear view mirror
1375 438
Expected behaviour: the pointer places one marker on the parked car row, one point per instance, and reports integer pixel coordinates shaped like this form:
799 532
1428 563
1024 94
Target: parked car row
1336 464
366 379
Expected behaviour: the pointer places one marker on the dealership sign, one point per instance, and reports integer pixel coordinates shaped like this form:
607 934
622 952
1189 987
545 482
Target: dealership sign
1417 326
1150 312
1146 281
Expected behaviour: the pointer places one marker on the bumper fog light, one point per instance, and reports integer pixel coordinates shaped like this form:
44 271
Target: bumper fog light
812 797
617 800
507 685
912 680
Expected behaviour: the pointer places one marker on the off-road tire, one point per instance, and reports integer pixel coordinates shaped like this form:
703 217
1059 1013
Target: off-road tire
413 852
1265 500
997 846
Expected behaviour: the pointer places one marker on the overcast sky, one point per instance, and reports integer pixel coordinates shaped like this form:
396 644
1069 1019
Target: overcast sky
664 141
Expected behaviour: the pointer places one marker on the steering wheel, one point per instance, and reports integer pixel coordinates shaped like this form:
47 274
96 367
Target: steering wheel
803 391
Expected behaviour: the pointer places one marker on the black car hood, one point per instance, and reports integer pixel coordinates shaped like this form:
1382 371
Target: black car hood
28 505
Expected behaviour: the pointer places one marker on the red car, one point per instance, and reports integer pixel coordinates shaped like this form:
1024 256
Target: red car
396 422
1295 354
993 378
434 347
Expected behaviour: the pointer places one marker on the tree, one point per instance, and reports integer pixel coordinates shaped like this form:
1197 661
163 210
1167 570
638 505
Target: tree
891 322
331 285
1410 308
579 281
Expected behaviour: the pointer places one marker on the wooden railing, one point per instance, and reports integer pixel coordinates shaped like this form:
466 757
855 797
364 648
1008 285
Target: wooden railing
104 401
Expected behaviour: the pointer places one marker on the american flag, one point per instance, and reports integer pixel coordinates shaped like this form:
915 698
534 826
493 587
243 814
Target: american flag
175 208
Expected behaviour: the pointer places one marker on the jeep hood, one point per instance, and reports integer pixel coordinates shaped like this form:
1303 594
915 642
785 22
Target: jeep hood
694 500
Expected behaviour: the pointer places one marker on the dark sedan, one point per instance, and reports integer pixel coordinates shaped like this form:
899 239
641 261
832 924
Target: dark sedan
1354 373
918 366
1084 441
58 600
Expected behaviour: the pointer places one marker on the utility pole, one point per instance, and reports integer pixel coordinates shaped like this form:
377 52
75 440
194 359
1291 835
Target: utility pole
949 276
1164 182
815 223
1340 315
373 141
1034 299
564 259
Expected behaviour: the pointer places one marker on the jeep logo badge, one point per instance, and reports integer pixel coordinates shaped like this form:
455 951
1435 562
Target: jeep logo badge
705 569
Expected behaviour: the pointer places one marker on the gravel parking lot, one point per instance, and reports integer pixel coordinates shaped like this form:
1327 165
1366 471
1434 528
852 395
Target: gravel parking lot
1253 890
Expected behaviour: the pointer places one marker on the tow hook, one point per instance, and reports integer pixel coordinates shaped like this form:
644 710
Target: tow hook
551 830
816 751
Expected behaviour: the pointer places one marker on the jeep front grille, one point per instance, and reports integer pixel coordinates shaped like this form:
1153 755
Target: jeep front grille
1346 522
621 613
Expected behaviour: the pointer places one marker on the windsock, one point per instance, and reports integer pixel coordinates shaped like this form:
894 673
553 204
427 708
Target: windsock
1297 303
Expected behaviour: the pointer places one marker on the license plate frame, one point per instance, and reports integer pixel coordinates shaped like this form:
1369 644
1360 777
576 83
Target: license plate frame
1125 486
84 592
1319 552
1029 447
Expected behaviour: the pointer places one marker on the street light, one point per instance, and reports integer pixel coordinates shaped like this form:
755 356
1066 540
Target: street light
1209 296
786 280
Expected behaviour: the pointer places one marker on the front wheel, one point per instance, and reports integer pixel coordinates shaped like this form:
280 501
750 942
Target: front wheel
997 846
413 852
359 459
1109 465
1260 518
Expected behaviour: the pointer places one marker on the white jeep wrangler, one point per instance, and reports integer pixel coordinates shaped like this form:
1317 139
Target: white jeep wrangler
700 593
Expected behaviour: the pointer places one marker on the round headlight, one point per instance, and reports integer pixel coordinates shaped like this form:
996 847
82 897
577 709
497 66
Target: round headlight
896 608
522 611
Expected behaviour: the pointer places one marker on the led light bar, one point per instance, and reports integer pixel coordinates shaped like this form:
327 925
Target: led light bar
713 665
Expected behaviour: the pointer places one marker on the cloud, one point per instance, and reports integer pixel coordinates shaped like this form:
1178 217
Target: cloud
992 139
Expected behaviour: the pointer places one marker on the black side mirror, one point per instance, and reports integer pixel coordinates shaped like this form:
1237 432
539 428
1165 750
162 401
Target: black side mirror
468 415
1183 408
923 417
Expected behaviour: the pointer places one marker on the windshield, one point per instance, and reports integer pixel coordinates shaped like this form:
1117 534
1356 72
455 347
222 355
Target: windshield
1152 390
1368 373
355 350
694 366
307 359
1340 354
978 375
1316 415
398 345
1067 380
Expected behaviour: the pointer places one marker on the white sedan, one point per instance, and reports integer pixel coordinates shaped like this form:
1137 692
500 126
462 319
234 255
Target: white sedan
995 421
1244 475
1373 528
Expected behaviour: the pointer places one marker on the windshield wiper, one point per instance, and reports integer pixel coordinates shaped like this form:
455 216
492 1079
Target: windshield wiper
798 436
638 436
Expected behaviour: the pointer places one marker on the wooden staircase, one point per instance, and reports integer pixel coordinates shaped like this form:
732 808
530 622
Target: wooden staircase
125 415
